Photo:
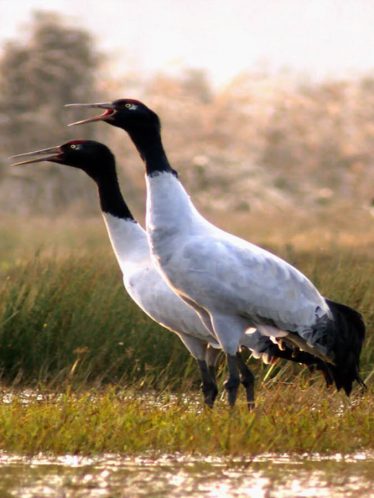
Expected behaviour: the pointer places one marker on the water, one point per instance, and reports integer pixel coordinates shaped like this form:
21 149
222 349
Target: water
170 476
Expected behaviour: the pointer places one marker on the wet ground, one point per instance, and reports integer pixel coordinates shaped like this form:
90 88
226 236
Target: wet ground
170 476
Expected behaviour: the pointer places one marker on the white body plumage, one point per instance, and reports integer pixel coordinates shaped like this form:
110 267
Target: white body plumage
151 293
237 283
147 288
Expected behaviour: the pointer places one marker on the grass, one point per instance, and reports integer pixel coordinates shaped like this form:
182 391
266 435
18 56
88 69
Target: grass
289 418
111 380
68 320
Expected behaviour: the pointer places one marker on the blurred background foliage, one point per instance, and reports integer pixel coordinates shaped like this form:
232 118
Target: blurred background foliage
54 64
264 143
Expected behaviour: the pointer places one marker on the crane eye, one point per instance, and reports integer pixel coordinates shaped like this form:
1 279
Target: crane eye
131 107
74 146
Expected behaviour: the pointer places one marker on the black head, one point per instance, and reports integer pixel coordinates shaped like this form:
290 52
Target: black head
128 114
92 157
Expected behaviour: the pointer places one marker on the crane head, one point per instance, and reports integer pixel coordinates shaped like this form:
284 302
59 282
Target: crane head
128 114
88 155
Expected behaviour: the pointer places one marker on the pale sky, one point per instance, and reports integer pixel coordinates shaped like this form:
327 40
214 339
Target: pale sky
322 38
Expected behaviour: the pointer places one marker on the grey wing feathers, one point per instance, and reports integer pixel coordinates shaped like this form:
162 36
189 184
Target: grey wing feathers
269 288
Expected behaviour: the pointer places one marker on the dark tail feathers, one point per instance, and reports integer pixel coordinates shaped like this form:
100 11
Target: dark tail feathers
312 362
348 330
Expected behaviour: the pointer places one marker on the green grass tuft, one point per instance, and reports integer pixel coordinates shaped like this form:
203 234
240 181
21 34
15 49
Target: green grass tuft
289 418
71 320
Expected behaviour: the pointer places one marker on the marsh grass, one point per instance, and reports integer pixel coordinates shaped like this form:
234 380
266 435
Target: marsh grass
70 321
67 320
288 418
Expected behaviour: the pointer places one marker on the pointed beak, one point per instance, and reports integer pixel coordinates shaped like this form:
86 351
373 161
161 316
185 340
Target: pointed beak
109 111
50 154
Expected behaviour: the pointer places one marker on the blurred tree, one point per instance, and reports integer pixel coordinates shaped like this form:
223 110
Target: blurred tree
53 65
56 64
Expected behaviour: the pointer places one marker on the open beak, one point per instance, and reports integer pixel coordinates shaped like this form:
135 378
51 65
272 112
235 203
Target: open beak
109 111
50 154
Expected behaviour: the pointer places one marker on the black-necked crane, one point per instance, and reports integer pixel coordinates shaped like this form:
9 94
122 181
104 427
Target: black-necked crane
233 284
142 281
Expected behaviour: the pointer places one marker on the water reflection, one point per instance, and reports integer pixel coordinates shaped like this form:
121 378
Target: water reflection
266 476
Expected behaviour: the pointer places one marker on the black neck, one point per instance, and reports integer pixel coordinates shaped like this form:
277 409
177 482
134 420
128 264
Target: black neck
151 150
111 200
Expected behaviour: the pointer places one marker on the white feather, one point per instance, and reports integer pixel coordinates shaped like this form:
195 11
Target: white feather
234 280
151 293
144 283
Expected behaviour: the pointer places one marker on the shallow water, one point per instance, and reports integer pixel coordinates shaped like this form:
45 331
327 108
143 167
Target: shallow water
265 476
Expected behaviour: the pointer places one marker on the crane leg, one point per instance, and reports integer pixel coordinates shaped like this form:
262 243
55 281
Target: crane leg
229 331
232 383
248 380
206 359
211 356
208 386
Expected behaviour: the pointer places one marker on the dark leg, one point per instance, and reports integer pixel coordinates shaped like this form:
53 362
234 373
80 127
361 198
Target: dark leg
212 373
201 352
211 356
327 374
248 381
232 383
208 386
